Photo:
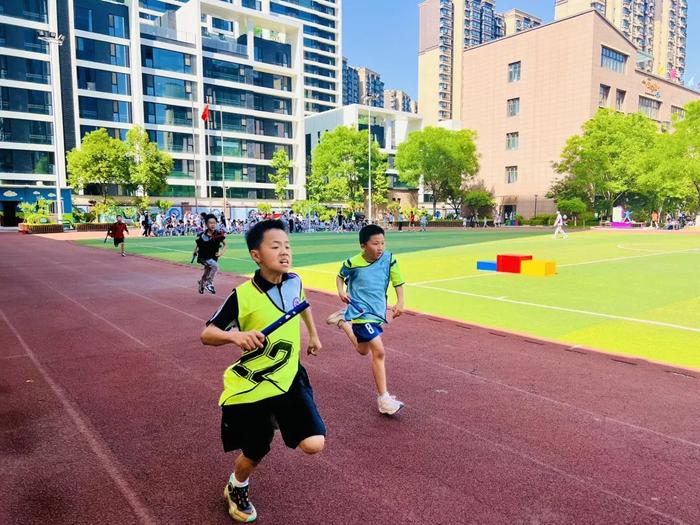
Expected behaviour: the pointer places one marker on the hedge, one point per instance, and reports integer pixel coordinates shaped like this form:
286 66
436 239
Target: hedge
92 226
40 228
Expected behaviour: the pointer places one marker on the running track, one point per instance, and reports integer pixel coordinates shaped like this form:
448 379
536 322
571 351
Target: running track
108 414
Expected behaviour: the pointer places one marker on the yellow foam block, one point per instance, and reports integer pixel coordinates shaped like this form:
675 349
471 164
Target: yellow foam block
538 268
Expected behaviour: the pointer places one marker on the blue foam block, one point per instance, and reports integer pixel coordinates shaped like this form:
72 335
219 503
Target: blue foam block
487 266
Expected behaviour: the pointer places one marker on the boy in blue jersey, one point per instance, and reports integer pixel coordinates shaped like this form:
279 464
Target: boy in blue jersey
362 284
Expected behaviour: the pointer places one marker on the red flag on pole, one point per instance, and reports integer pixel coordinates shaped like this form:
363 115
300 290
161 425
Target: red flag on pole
205 113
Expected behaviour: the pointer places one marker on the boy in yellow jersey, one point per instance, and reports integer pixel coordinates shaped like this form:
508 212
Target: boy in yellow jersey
267 387
367 277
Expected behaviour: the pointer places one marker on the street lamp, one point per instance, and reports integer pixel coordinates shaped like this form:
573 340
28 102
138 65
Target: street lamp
54 39
370 99
535 205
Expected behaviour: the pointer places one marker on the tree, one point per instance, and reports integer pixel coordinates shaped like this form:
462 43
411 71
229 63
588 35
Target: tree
573 207
479 200
100 160
282 166
164 205
603 162
339 170
677 156
142 203
148 166
265 208
442 158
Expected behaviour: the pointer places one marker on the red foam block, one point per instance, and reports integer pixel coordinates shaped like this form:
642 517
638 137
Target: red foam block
510 263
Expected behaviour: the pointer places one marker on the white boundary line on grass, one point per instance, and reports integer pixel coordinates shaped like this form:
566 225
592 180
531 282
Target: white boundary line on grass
563 309
584 263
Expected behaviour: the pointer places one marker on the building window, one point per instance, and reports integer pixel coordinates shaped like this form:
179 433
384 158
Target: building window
613 60
649 107
514 72
513 107
512 140
603 95
620 100
511 174
677 112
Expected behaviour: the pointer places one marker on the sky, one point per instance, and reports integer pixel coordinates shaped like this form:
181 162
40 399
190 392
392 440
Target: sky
383 36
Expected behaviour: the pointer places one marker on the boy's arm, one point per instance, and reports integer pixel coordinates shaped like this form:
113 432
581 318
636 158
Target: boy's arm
340 285
314 342
215 336
397 282
222 249
218 333
398 308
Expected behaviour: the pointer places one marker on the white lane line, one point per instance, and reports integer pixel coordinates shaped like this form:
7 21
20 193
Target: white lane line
613 259
584 263
104 455
563 309
541 397
160 355
326 299
517 452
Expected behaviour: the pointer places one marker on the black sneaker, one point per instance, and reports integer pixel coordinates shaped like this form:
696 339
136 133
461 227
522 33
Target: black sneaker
200 286
210 288
239 506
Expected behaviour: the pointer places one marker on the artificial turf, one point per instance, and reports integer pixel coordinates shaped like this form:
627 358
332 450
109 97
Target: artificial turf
636 294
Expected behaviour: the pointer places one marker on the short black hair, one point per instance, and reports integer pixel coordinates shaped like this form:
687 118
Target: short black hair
257 232
367 231
210 216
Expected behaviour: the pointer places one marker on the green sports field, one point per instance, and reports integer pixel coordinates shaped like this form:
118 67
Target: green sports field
630 293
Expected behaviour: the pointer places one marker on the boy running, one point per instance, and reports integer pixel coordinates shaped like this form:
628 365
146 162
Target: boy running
210 246
267 388
367 277
116 231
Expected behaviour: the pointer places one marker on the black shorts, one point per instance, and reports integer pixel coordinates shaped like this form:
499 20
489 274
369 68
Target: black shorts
250 427
118 241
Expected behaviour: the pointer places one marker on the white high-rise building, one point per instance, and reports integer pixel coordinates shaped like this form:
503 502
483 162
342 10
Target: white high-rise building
259 65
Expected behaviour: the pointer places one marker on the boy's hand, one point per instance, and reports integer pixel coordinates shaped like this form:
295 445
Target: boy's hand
344 297
314 346
397 310
248 340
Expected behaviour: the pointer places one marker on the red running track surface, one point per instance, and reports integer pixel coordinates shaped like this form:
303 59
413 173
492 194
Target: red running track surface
109 414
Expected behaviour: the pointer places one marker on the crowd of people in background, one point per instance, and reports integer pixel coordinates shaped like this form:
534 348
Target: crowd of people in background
162 225
190 223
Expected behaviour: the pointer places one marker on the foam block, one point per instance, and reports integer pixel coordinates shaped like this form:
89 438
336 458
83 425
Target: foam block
511 263
487 266
538 268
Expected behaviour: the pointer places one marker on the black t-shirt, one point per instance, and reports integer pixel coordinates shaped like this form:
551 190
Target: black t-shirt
207 247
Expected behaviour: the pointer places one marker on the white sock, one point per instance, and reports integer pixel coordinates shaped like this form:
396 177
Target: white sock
237 483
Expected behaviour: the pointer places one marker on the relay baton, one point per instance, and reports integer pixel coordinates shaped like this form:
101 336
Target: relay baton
286 317
106 237
194 255
357 306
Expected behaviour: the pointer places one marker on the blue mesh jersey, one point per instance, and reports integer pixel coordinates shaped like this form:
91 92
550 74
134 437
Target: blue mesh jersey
367 285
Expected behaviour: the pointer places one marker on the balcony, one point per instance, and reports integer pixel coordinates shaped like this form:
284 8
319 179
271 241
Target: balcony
165 34
222 44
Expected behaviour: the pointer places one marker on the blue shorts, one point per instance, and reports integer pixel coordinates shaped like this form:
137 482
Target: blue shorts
365 332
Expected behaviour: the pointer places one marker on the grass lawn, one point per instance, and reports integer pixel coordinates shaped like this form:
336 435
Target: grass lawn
630 293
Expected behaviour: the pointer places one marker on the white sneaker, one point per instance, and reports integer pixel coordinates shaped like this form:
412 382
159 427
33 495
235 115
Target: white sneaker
388 404
336 317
